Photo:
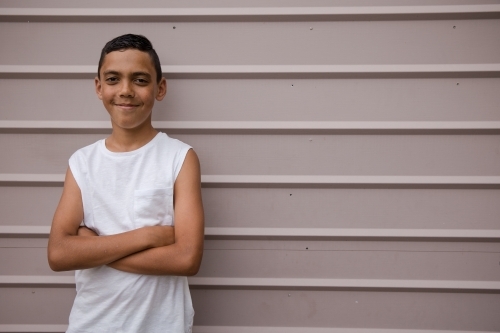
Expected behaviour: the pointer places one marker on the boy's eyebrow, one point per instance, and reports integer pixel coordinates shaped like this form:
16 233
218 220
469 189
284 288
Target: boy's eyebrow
111 73
141 73
134 74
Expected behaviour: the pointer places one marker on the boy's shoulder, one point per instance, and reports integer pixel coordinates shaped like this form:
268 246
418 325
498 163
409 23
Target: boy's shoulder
87 150
168 142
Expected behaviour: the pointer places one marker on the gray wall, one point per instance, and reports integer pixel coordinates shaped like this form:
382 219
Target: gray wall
350 156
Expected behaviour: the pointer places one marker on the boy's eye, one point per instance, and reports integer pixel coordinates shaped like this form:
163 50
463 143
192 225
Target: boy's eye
141 81
112 79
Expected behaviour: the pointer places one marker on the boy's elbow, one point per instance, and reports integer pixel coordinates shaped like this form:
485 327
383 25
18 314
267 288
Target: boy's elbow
192 265
55 267
55 260
54 263
192 270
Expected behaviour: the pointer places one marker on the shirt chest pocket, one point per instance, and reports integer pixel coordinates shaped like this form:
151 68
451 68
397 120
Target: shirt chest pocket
153 207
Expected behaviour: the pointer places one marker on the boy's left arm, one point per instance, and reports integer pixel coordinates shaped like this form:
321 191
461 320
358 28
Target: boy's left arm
184 256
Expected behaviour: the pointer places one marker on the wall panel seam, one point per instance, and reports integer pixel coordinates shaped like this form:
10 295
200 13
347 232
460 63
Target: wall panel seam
46 328
264 127
482 11
304 233
287 181
282 283
270 71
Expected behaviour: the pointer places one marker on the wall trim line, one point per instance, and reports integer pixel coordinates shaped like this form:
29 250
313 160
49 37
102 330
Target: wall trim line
295 181
251 13
305 233
46 328
283 283
262 127
270 71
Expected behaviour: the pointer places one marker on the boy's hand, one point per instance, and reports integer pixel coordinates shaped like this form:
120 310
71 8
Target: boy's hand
161 235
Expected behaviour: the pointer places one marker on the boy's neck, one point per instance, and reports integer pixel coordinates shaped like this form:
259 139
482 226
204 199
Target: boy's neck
124 140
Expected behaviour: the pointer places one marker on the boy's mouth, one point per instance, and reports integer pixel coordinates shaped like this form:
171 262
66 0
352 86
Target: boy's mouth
126 106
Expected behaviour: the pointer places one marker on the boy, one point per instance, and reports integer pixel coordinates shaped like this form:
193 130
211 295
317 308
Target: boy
128 190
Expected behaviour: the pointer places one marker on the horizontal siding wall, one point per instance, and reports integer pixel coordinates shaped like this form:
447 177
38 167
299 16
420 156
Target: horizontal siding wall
270 99
350 156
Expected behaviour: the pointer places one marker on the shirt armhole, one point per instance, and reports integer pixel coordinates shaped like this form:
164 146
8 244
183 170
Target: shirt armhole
75 171
76 163
179 160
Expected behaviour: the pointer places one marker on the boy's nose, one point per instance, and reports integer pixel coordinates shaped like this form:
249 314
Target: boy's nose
126 89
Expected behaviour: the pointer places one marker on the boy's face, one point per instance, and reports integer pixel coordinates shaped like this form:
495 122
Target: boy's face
128 89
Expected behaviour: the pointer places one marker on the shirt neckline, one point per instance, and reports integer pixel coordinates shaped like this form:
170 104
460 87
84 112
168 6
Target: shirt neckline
105 150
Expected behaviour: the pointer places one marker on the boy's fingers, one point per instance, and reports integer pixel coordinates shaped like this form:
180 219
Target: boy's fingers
169 234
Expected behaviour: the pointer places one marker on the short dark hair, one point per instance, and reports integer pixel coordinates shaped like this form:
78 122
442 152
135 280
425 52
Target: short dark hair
131 41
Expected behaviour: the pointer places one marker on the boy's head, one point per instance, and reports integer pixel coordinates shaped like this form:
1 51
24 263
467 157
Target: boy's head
126 81
131 41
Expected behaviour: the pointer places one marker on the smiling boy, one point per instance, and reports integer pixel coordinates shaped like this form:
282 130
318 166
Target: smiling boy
122 196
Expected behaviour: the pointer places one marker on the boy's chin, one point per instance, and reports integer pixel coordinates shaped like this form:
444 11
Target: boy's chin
130 125
130 121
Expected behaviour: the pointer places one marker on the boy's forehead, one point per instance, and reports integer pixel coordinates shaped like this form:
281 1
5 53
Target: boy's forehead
128 60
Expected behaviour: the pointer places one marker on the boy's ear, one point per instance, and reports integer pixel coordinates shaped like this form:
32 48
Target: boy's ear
162 89
98 87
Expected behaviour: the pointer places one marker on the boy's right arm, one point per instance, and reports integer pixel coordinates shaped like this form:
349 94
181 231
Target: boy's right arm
68 251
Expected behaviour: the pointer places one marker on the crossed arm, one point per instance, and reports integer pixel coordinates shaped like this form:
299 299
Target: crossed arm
157 250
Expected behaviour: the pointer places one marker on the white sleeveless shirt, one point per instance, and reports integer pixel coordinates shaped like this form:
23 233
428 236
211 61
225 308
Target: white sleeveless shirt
121 192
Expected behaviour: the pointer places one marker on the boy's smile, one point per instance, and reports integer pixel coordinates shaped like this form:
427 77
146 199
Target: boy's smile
128 88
